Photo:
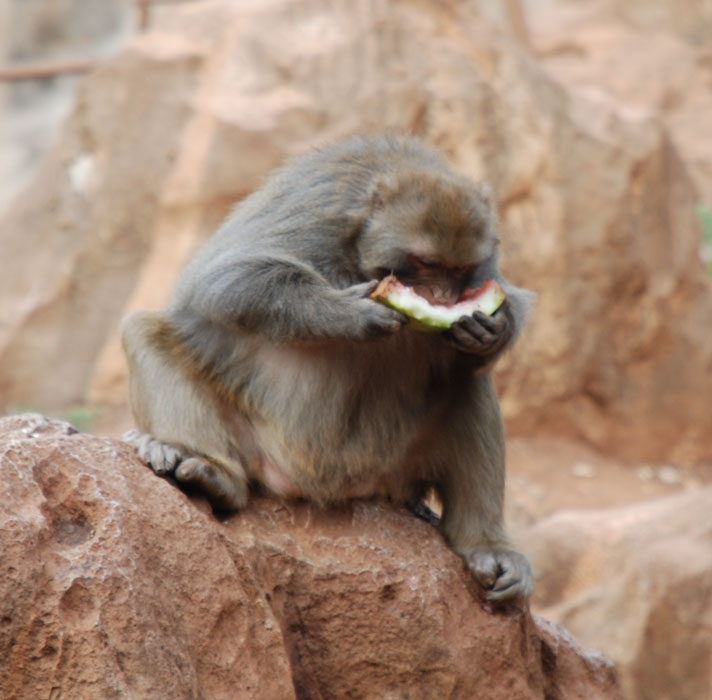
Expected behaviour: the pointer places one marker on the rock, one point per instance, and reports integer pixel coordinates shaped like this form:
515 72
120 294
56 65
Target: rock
112 590
648 57
598 210
689 19
635 582
115 584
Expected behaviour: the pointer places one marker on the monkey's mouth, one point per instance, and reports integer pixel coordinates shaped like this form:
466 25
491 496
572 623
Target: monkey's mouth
438 284
426 316
437 294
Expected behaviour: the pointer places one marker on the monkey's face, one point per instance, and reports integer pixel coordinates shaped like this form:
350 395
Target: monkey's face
430 232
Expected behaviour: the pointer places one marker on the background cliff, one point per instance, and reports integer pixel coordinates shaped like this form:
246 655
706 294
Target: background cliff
129 129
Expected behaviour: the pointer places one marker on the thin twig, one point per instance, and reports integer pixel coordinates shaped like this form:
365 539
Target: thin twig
33 71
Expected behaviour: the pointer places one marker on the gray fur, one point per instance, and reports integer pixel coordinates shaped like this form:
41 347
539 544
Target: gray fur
273 365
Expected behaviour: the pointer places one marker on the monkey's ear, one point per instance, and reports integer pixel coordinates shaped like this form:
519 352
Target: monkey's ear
381 191
485 193
482 205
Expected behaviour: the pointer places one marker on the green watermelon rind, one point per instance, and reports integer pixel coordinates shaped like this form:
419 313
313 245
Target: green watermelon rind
432 317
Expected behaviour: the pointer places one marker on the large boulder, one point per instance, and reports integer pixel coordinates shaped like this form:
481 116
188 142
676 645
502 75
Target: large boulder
635 581
597 208
652 57
115 584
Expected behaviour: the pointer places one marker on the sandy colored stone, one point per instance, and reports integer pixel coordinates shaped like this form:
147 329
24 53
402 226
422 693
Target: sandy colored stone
635 582
115 584
32 33
597 207
649 57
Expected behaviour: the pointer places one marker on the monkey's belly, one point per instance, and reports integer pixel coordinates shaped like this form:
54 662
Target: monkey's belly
329 430
269 475
276 468
280 484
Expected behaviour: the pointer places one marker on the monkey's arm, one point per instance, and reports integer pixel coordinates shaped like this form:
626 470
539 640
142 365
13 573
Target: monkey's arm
472 491
282 298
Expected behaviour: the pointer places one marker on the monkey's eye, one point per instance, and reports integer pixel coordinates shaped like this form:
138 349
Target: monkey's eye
415 262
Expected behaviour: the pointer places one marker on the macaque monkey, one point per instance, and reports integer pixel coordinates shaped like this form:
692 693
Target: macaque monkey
273 366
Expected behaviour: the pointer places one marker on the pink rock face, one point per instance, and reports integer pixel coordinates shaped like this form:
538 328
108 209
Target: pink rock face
118 585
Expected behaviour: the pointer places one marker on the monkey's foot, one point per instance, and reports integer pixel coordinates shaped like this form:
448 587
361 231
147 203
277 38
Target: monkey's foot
225 489
160 456
505 574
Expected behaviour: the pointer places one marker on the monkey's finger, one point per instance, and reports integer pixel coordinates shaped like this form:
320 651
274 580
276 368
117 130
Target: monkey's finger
381 320
364 289
492 324
470 337
478 330
489 329
501 333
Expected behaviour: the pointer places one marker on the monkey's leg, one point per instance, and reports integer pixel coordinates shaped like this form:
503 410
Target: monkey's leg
182 431
471 486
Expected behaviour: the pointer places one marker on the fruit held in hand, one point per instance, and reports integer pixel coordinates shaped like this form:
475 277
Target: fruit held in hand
434 317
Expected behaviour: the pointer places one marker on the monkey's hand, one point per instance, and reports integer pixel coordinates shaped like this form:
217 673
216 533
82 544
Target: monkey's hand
505 574
371 318
481 335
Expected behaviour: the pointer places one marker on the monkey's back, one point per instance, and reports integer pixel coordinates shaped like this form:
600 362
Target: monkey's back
311 209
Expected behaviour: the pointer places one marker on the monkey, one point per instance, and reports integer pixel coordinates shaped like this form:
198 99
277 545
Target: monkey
272 367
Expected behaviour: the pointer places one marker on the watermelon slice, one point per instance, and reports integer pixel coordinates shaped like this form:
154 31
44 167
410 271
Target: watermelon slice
435 317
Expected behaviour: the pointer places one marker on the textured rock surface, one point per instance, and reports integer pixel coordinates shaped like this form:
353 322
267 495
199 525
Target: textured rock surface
115 584
647 56
110 589
637 582
598 210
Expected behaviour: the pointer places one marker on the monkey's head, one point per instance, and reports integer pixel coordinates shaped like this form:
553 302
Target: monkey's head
430 231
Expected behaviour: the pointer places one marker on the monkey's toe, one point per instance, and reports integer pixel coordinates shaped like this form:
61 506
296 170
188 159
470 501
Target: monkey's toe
225 490
194 471
160 456
504 574
483 565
